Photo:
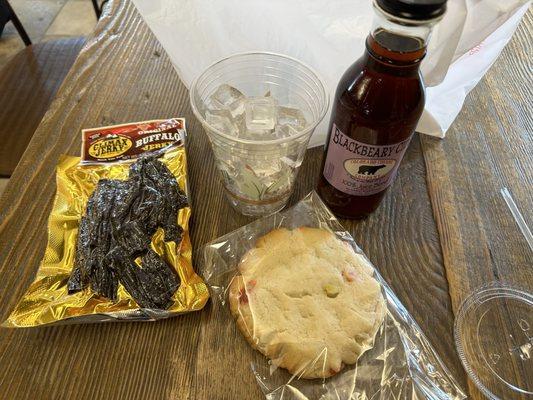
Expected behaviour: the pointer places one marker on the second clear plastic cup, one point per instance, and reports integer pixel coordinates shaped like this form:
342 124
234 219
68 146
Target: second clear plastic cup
259 175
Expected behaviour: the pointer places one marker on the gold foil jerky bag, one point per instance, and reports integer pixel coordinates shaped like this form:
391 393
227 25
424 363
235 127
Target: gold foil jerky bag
145 279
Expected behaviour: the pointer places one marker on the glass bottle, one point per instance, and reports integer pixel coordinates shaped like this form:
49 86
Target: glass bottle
376 108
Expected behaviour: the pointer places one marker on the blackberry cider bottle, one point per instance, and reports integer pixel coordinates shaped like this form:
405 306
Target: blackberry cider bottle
377 105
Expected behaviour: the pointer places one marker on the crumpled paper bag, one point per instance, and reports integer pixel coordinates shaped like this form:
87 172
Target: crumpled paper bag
329 35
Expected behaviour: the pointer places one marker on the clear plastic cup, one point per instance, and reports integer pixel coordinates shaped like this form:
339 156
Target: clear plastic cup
259 175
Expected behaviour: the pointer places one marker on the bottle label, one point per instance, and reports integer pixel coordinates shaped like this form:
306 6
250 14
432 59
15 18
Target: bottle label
361 169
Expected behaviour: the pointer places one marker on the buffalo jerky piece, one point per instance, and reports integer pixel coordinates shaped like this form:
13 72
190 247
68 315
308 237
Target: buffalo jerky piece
125 268
150 202
170 187
103 280
120 219
126 193
152 285
76 281
172 232
133 237
160 186
93 243
163 280
130 233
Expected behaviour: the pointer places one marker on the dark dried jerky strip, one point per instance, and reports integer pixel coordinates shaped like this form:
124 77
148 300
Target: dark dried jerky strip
93 244
75 283
125 269
161 198
103 279
120 220
163 281
158 177
133 238
151 286
173 233
90 235
78 281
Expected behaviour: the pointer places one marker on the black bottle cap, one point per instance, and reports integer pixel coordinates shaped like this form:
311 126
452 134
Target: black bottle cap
416 10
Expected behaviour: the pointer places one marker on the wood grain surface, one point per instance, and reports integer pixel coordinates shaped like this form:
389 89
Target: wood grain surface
488 147
122 75
28 84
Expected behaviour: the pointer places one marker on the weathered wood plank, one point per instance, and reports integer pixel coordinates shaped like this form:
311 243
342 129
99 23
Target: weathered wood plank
34 74
488 147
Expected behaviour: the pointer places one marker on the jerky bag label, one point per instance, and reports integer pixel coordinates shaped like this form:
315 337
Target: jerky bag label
361 169
128 141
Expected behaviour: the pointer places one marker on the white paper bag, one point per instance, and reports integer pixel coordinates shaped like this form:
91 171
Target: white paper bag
444 100
329 35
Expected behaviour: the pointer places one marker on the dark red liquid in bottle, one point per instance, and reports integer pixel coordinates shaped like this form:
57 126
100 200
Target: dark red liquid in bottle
378 103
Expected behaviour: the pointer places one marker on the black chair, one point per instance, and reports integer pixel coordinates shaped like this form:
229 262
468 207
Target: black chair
7 14
98 7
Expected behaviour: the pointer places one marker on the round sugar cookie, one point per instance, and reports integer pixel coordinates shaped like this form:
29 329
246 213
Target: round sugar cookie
307 301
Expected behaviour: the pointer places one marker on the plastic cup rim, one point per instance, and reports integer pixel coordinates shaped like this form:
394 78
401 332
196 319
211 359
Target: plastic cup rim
481 295
300 134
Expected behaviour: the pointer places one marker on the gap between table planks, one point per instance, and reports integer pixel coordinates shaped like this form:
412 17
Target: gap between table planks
123 75
488 147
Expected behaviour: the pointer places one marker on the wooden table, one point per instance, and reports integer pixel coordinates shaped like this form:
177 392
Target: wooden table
34 74
442 230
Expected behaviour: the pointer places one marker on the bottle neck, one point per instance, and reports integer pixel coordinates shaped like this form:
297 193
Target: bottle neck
398 42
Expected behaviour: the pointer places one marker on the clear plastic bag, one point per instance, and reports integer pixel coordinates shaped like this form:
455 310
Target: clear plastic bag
401 364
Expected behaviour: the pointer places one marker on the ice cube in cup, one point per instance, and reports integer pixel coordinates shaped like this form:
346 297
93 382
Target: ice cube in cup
221 120
260 113
259 134
227 97
253 134
292 117
284 131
